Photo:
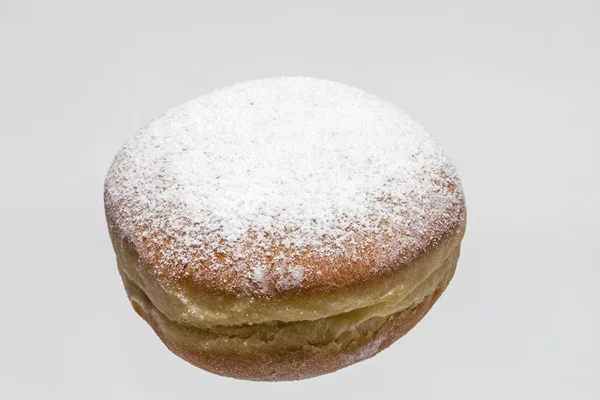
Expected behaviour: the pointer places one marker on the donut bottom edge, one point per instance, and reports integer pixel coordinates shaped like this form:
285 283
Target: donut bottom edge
280 364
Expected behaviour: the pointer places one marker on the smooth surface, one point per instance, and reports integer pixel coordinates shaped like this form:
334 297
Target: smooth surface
510 91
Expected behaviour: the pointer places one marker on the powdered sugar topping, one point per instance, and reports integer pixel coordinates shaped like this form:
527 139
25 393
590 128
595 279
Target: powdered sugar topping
310 165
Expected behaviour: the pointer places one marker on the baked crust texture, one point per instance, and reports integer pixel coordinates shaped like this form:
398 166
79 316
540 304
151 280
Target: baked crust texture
283 228
257 360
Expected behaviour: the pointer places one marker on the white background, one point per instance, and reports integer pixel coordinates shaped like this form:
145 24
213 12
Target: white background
511 90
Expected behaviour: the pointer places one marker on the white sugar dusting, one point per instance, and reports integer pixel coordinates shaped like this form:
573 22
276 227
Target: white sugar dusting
291 277
303 163
363 353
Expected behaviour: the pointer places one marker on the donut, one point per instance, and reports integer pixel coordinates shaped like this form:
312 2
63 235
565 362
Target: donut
284 228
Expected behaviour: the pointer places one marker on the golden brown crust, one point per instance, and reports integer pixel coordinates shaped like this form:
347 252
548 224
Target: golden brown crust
281 365
367 260
193 306
276 363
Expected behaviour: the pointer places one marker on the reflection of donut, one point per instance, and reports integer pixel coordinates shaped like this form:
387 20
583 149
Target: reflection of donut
283 228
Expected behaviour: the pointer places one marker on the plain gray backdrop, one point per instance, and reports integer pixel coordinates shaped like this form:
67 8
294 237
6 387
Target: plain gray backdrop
511 90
